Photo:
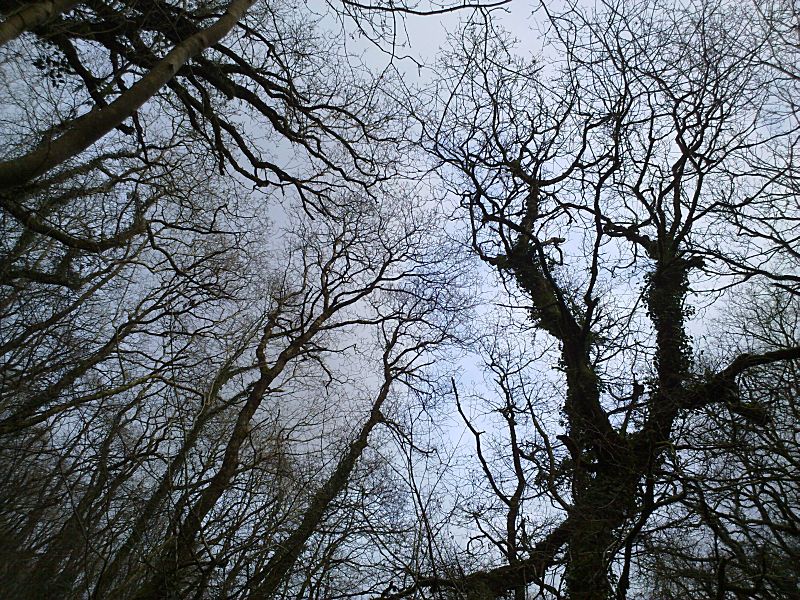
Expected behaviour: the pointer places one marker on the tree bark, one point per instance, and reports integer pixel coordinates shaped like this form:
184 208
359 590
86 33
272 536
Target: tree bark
32 15
266 583
86 130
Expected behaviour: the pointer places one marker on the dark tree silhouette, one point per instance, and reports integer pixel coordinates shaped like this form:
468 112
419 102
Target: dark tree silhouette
648 168
230 306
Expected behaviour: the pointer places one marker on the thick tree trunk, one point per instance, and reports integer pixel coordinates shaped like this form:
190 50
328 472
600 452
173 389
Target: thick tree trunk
86 130
599 512
31 15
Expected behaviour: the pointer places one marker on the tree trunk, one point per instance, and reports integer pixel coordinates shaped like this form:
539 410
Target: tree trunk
267 582
31 15
600 510
86 130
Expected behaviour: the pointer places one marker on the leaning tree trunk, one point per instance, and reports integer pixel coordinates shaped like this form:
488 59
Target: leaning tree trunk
29 16
87 129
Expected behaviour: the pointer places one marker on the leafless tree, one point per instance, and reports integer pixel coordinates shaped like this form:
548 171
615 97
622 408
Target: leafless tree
189 390
138 472
646 170
734 530
226 307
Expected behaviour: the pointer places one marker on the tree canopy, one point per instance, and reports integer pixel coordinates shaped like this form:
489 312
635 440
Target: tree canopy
290 309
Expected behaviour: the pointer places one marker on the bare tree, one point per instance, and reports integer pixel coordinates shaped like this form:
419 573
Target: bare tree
147 470
734 530
607 190
224 310
168 353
